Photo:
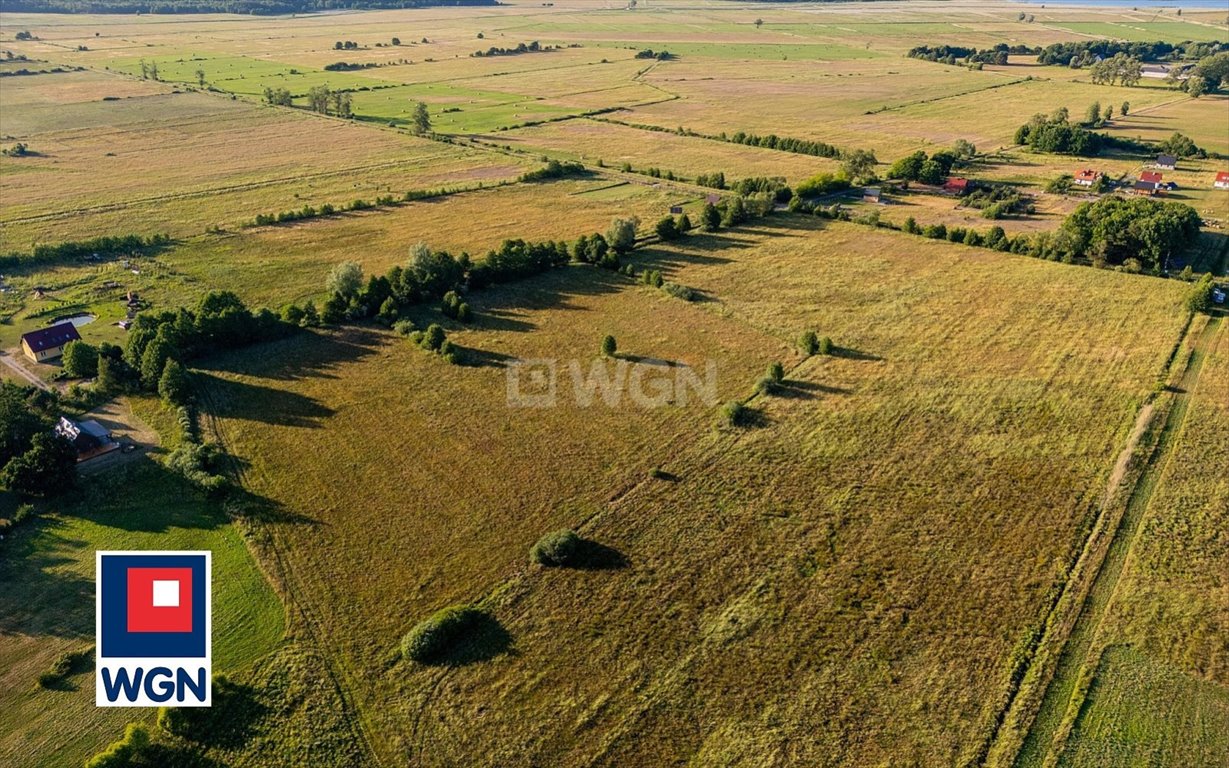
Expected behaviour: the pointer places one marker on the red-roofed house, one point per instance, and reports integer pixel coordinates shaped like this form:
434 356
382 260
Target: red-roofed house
48 343
1087 177
958 186
1152 177
1222 180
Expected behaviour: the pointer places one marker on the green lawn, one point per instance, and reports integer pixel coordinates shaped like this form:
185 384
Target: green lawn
1142 712
47 604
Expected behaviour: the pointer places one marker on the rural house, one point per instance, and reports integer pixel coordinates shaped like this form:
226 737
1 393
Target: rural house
1151 176
872 195
1149 188
1087 177
1167 162
1222 180
48 343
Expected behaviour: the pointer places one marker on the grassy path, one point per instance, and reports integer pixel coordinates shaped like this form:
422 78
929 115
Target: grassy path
1064 695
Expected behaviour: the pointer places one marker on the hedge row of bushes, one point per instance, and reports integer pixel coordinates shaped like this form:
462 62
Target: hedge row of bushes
359 204
98 247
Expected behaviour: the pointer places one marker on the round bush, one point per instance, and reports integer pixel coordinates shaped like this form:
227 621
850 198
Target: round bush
557 548
433 636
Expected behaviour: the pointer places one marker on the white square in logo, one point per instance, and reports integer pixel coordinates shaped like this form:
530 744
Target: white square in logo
166 594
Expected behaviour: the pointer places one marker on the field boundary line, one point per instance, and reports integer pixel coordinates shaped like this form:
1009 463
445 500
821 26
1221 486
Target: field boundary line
289 582
1152 478
1065 638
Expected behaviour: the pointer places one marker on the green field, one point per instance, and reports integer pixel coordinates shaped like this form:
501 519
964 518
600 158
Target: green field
48 604
1140 712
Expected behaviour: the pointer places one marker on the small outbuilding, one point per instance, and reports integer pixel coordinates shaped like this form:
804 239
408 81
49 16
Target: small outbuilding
872 195
89 437
1222 180
48 343
1168 162
956 186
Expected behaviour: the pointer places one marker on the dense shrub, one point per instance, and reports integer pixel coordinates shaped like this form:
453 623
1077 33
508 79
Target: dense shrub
434 636
734 414
822 184
808 343
557 549
679 291
554 170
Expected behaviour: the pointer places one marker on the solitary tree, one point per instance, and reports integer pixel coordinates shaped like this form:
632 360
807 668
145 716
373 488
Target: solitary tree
80 360
622 234
346 279
710 219
174 386
422 118
396 41
609 346
859 163
1126 108
200 77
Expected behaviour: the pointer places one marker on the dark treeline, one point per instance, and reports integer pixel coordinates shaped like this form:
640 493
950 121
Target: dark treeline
347 66
1136 234
256 7
219 322
554 169
98 247
783 144
950 54
534 47
1063 53
1058 135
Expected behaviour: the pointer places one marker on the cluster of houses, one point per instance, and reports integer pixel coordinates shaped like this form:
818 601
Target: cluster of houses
1149 183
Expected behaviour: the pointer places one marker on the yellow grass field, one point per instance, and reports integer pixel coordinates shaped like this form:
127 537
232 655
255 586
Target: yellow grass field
860 560
591 141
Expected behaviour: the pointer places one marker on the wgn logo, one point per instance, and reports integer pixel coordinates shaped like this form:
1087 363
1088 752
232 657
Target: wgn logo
153 626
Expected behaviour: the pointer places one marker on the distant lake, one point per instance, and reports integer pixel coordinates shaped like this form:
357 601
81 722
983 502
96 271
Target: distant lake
1213 4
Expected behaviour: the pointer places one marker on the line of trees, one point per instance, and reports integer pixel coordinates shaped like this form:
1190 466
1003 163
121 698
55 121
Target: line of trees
554 169
1087 52
954 54
348 66
111 246
1135 234
533 47
320 98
